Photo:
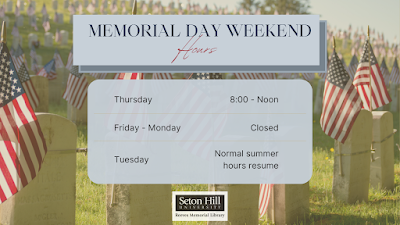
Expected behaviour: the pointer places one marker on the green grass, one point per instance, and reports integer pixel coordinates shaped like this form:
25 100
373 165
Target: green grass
382 208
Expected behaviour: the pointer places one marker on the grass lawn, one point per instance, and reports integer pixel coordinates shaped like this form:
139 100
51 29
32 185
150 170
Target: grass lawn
383 207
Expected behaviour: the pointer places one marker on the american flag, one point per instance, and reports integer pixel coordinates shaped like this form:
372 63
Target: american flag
76 90
44 10
56 18
130 76
15 31
201 96
23 146
33 22
90 8
98 75
308 76
161 76
380 96
72 9
70 60
57 36
30 91
352 68
34 66
256 76
18 57
16 12
49 70
46 24
58 61
264 196
341 102
385 72
394 75
2 11
30 10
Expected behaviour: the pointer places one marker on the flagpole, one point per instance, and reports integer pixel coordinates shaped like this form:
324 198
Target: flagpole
338 142
370 93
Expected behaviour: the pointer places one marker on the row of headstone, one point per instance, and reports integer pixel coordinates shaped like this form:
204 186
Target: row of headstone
49 38
9 6
50 197
128 204
355 167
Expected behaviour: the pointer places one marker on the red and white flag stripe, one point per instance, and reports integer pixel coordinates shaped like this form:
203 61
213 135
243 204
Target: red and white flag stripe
76 90
31 93
256 76
340 108
23 144
264 198
130 76
380 96
162 76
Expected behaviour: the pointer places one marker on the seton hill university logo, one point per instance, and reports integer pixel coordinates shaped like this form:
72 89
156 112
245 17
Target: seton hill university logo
200 206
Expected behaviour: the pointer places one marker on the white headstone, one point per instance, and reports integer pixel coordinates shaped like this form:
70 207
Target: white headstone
39 60
17 40
21 5
33 5
55 4
64 37
20 21
48 39
7 20
32 37
71 19
289 203
85 3
96 3
9 6
66 4
132 206
351 168
382 167
50 197
60 18
76 3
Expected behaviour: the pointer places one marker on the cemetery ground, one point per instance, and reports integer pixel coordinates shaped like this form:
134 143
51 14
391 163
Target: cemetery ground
383 207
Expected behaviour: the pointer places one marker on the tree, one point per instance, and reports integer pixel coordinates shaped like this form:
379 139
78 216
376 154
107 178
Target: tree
250 5
292 7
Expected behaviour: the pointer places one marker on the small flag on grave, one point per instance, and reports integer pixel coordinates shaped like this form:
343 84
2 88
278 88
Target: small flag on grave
76 90
341 102
23 146
28 86
49 70
367 70
58 61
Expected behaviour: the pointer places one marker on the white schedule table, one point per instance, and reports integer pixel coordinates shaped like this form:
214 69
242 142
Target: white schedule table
200 131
